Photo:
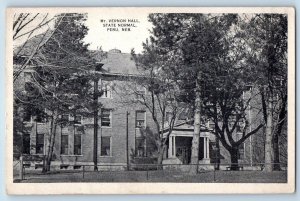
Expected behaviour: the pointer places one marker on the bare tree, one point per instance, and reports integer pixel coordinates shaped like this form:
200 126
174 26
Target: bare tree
158 94
25 27
61 75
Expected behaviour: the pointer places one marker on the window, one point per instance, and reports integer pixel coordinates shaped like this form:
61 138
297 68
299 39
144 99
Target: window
77 144
140 148
33 114
140 119
106 89
39 116
64 144
150 147
26 144
106 117
241 152
78 140
27 115
65 117
40 144
144 147
241 148
105 146
77 119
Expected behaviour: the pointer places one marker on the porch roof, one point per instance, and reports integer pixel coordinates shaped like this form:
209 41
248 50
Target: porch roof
187 129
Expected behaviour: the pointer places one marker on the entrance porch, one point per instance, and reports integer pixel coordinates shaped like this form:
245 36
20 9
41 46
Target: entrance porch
180 146
179 150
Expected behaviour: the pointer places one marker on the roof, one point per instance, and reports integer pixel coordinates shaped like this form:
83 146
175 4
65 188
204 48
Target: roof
187 129
31 44
117 62
114 61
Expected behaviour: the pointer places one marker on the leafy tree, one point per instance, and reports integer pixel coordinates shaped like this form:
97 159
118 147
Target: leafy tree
196 50
267 38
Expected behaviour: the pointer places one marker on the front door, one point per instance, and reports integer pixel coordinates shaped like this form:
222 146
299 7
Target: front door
184 154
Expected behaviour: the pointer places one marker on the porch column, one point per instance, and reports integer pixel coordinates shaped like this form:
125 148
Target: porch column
174 146
207 141
170 147
207 147
204 147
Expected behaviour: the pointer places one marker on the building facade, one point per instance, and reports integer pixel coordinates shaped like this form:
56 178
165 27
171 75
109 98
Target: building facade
122 121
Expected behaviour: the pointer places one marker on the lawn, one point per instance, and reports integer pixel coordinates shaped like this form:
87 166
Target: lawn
155 176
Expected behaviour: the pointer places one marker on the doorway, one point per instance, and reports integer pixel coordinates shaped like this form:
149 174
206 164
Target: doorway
183 149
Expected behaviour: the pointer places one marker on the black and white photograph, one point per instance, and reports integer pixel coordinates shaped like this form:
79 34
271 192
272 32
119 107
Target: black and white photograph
151 98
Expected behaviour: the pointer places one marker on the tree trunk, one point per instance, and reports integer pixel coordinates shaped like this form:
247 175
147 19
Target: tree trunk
217 158
234 158
268 142
48 157
196 135
276 161
279 126
161 152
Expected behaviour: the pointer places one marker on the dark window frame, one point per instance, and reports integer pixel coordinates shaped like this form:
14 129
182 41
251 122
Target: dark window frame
106 121
139 122
75 119
64 148
77 146
40 144
103 150
26 144
140 147
106 89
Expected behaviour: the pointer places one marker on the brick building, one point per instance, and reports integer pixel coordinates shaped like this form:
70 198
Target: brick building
120 132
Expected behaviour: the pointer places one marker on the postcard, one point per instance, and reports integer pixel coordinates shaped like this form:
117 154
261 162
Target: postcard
150 100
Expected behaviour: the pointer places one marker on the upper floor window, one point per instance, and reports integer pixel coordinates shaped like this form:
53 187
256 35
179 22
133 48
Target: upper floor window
77 119
40 118
34 114
106 89
65 117
106 117
140 119
27 116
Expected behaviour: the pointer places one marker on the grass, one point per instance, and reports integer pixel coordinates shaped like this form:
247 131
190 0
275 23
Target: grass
155 176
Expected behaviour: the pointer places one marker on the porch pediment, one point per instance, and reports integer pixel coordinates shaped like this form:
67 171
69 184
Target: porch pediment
186 129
